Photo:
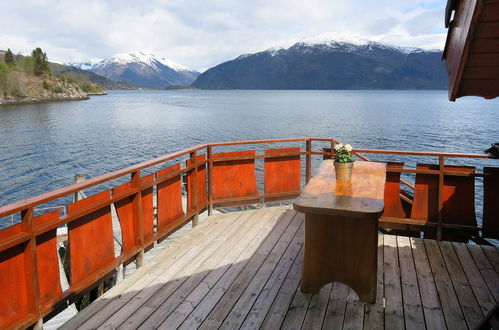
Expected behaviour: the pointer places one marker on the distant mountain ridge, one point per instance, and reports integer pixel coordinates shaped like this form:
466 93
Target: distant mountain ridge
81 75
330 65
142 69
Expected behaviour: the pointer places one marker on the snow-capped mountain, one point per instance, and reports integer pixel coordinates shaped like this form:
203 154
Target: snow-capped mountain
330 64
82 65
141 69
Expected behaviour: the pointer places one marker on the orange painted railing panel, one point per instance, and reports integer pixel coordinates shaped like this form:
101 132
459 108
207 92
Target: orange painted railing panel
91 242
14 299
47 260
147 207
491 202
201 183
282 174
458 196
393 203
124 210
234 178
169 196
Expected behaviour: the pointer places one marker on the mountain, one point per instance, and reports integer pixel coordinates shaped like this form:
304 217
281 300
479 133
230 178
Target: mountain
143 70
79 74
330 65
82 77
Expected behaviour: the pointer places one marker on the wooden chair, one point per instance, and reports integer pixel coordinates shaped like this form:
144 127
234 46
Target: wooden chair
395 206
458 201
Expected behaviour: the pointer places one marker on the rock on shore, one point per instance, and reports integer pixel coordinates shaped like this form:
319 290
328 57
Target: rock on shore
43 89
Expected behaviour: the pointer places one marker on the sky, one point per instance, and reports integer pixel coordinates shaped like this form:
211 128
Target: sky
203 33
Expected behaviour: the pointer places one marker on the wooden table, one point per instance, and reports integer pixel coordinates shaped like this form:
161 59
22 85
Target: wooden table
341 228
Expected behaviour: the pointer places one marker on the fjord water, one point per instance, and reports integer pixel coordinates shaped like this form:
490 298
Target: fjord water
44 145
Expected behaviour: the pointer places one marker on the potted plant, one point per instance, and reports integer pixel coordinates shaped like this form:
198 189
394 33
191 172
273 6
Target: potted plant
343 161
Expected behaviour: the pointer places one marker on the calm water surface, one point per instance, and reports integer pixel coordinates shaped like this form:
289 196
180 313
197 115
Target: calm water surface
43 146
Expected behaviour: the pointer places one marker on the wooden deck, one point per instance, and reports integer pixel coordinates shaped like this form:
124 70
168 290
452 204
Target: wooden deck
242 270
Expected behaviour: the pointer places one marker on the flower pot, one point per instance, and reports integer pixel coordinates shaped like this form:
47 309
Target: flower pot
343 171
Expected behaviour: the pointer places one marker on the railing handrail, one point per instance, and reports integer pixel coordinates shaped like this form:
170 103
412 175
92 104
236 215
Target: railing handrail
46 197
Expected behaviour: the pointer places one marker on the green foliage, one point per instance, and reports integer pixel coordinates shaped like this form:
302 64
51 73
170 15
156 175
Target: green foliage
4 69
11 82
27 65
9 58
52 87
65 78
17 93
343 154
41 64
57 89
86 87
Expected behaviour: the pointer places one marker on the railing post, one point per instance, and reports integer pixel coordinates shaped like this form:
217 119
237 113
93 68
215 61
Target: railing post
308 159
195 219
31 266
209 153
440 195
79 195
332 149
137 216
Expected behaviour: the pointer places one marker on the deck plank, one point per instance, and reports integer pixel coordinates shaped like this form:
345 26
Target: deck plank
277 312
261 307
490 276
238 273
335 313
314 317
112 300
413 309
262 289
165 300
492 254
167 282
172 313
450 304
297 310
354 312
242 300
469 304
394 313
482 293
375 313
434 317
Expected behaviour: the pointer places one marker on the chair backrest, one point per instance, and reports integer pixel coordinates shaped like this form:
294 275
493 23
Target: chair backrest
328 150
458 200
393 202
395 206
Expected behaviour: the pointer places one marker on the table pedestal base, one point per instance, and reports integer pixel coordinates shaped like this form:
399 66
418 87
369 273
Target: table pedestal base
343 249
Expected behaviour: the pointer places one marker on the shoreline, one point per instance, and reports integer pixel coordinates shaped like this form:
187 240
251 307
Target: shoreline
36 100
40 100
97 94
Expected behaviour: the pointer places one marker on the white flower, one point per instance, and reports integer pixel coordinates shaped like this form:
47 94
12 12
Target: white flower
348 147
338 147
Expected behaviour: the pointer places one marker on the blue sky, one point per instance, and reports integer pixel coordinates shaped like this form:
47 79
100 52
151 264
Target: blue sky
203 33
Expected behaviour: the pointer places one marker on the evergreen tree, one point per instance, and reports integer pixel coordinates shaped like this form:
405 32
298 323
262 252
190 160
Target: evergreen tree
41 62
9 58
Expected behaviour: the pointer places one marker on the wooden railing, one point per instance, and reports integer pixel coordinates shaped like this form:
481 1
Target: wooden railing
29 265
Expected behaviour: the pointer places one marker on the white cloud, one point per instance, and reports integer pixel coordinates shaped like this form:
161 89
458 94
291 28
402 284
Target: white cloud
201 34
